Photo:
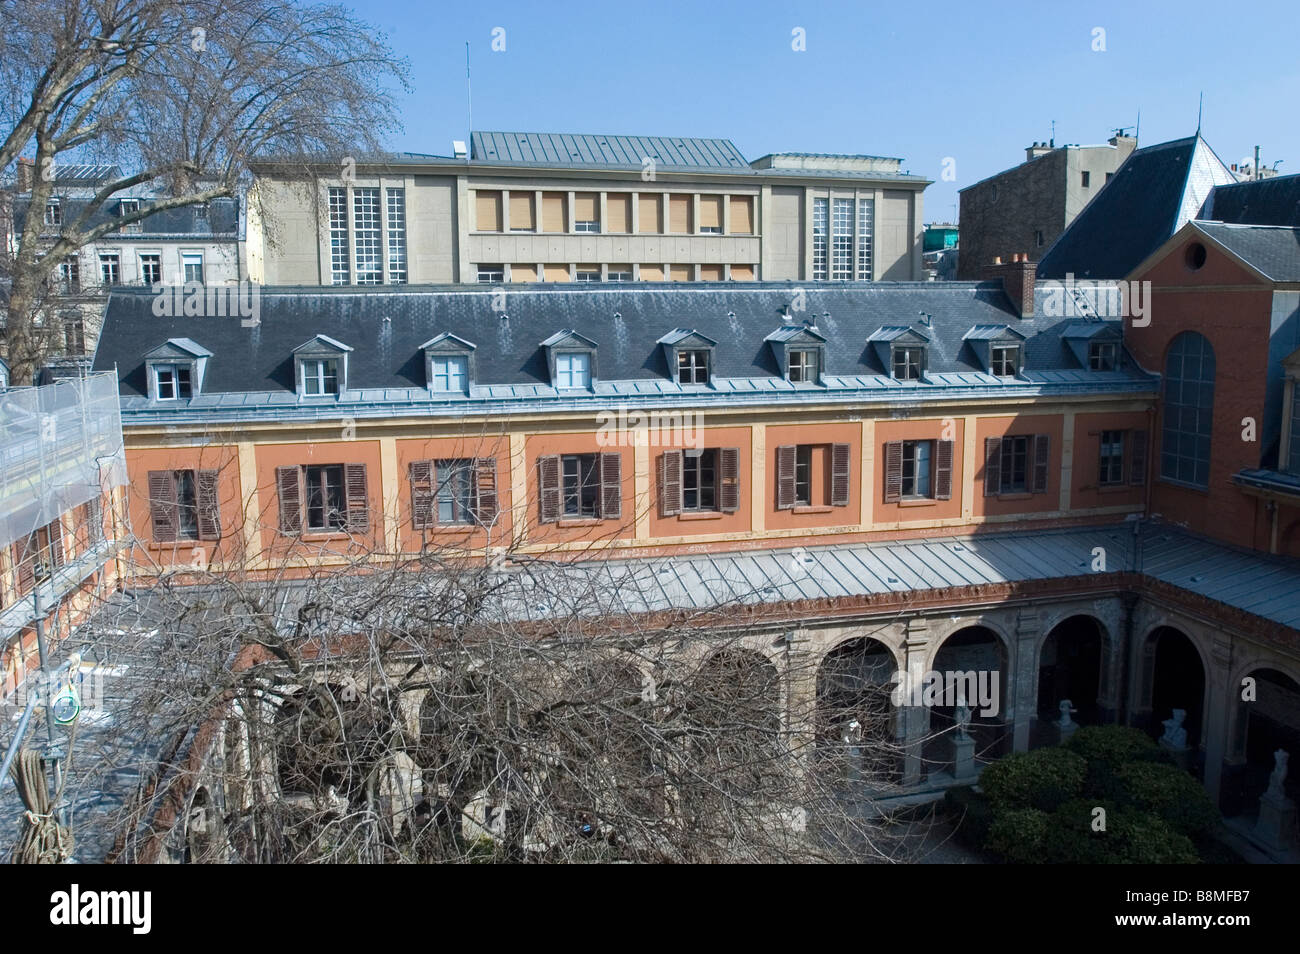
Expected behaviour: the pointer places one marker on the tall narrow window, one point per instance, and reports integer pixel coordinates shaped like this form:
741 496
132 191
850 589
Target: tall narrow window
326 509
74 336
700 480
1112 458
803 475
866 232
917 468
150 268
366 236
109 273
1188 410
192 262
1015 464
842 240
70 276
821 226
580 488
340 271
53 213
455 493
396 236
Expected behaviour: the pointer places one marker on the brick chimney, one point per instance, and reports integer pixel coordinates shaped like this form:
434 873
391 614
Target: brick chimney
1017 278
26 174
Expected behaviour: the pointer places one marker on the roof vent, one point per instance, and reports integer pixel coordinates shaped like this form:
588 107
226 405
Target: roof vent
458 149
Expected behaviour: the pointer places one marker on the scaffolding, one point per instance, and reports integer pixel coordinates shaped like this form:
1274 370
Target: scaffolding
60 447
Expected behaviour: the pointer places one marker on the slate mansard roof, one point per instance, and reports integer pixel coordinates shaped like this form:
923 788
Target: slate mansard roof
1273 201
251 371
184 221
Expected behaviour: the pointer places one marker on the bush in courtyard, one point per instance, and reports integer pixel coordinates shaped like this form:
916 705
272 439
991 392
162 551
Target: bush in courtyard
1019 835
1169 792
1041 779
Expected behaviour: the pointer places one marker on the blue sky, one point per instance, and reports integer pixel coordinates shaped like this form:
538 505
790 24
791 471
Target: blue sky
973 81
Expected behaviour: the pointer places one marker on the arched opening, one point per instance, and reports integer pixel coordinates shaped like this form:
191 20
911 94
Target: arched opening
854 719
970 657
1177 682
1069 667
1270 722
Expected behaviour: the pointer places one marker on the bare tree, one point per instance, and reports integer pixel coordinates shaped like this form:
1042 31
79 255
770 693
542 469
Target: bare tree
182 94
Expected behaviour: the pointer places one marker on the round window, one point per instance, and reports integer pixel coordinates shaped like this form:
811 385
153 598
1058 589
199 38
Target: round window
1195 256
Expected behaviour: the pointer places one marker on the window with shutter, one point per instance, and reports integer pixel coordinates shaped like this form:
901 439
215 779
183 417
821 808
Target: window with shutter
548 488
893 471
555 212
358 499
485 490
162 506
54 533
1042 461
670 483
288 482
1138 459
420 474
992 466
785 477
209 507
26 577
611 486
943 470
679 214
729 492
841 470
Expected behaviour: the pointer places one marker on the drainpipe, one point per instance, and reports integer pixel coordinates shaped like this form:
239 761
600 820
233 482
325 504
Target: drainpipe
1270 508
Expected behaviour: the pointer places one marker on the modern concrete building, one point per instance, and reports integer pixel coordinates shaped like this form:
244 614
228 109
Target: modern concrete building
541 207
1024 209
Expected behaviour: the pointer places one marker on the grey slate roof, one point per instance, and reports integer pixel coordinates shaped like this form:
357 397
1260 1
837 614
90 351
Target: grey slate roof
566 150
252 367
1273 250
1153 194
223 218
1273 201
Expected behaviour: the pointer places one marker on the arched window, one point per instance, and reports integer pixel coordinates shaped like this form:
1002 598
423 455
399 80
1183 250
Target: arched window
1188 410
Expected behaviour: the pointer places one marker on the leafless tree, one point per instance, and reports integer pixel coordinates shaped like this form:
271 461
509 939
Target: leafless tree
182 94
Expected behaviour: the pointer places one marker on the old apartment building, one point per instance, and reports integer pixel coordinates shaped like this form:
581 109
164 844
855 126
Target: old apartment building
543 207
899 477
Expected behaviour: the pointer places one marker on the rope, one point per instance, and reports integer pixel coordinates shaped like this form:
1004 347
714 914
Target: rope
43 841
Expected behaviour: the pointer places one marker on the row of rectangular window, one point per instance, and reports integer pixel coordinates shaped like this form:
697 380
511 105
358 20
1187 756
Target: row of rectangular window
496 273
491 208
332 498
150 269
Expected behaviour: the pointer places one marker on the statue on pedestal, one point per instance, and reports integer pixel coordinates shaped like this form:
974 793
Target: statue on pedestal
1065 722
1276 780
1175 736
962 718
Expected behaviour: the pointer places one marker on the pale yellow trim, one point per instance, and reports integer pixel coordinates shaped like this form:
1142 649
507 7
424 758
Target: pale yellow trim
1067 458
247 457
390 491
518 488
641 497
969 467
867 464
758 495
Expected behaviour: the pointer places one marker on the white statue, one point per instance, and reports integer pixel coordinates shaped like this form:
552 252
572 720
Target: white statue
1175 735
1280 758
1065 722
962 718
852 733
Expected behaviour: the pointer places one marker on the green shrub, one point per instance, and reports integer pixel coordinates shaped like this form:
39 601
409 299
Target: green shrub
1107 747
1018 835
1130 837
1169 792
1041 779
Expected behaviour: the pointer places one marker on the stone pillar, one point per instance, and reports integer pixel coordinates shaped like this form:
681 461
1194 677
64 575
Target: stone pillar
1220 707
913 723
1114 643
799 687
1022 688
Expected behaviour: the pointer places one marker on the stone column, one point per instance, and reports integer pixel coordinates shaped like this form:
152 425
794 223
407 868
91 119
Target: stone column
913 723
1220 708
1022 688
1110 699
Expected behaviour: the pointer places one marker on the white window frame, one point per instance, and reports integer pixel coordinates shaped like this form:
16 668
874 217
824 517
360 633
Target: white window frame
573 370
173 368
449 379
808 361
314 370
186 262
117 268
1000 355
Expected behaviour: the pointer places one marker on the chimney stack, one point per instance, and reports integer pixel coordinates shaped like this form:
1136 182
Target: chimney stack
1036 150
26 174
1017 278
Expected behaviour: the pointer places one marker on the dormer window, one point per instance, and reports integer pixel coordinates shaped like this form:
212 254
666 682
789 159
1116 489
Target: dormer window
571 360
172 381
1101 356
319 376
803 366
693 367
689 356
321 367
1004 360
907 362
53 213
176 369
448 364
130 207
573 370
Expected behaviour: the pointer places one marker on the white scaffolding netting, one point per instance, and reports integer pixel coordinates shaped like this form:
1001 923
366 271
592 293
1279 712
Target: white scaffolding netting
60 446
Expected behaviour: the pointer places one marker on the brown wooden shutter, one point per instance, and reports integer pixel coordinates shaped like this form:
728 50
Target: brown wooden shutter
420 474
670 483
288 482
209 515
943 470
785 477
23 565
95 520
992 466
1042 460
55 533
548 487
893 471
611 486
1137 467
729 492
485 490
841 469
356 497
162 506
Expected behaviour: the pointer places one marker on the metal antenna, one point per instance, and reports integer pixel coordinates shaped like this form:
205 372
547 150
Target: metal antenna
469 95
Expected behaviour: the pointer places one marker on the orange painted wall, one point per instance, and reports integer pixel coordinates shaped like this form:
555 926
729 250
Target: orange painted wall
451 448
230 496
688 524
1085 489
1011 504
917 430
819 434
577 531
